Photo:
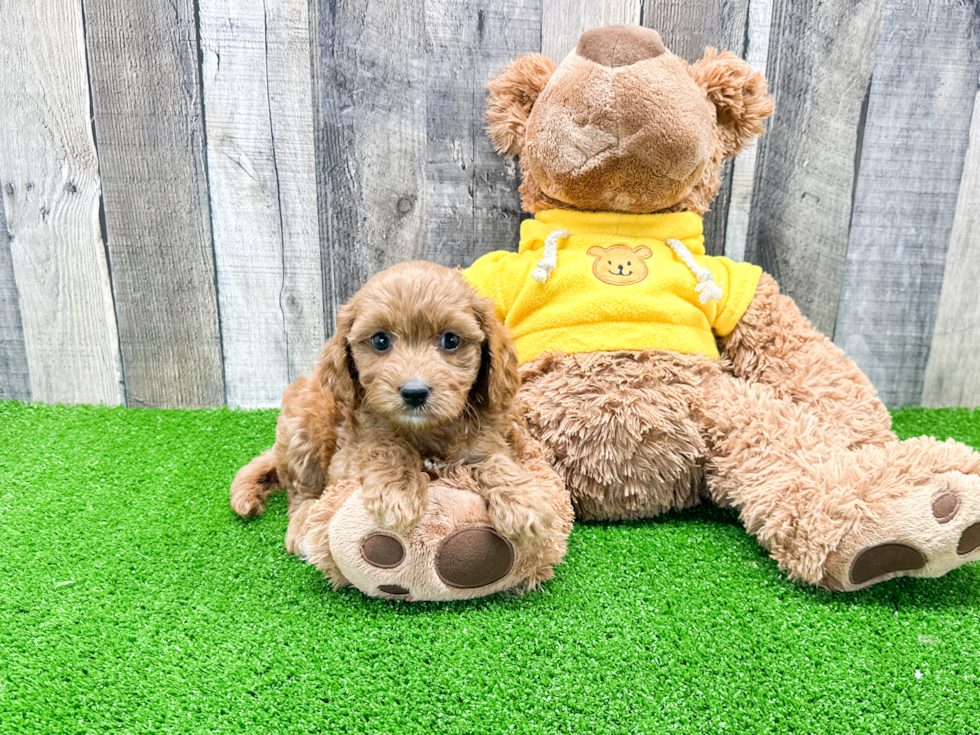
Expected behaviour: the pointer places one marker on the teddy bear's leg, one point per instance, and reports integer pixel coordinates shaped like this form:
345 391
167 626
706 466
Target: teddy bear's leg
452 553
841 518
619 428
774 344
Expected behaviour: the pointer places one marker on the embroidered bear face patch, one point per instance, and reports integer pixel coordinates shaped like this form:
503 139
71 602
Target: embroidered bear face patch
619 265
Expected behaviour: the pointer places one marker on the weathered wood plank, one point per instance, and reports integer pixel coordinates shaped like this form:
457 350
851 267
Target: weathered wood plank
146 89
743 167
473 204
915 139
15 378
563 21
687 27
821 55
370 83
953 371
290 76
51 201
262 311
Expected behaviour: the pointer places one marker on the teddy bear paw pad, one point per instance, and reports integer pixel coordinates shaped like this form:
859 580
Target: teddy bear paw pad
473 557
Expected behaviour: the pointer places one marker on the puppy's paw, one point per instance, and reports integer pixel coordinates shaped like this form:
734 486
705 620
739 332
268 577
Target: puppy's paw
397 508
522 514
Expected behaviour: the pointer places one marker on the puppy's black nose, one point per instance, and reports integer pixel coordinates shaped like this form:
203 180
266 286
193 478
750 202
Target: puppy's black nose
415 393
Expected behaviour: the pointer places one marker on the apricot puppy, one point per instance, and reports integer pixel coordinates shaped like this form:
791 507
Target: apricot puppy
419 377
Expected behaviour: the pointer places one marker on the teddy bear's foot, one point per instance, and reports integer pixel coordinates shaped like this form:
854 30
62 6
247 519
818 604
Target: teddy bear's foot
453 553
928 532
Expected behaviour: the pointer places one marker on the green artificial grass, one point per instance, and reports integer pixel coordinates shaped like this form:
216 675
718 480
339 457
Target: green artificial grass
133 600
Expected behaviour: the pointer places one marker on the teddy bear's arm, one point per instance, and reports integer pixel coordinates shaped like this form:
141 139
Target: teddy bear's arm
774 344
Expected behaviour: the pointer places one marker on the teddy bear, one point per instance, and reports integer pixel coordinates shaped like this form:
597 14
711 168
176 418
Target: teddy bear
656 377
653 377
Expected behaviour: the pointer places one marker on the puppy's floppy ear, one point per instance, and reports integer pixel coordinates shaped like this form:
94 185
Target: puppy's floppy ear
512 95
740 96
336 369
498 379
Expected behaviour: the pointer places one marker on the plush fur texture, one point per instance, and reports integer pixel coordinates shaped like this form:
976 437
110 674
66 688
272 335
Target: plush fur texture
783 427
352 427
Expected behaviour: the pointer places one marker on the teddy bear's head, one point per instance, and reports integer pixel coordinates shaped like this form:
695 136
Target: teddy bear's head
624 125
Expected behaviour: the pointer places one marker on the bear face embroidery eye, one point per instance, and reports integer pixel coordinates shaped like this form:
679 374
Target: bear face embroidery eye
628 262
450 341
609 261
381 341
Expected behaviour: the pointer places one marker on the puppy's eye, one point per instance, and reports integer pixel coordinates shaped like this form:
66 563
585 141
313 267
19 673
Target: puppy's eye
449 341
381 341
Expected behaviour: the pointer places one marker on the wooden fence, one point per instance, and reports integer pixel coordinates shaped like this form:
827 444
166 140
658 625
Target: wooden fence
191 187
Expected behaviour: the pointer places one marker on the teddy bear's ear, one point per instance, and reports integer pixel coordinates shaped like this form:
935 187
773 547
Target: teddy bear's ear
643 252
740 95
512 95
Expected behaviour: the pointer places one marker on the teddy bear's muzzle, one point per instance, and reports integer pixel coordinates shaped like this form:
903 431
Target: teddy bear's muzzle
621 45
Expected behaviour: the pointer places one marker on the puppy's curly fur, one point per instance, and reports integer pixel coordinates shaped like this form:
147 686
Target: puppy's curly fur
414 326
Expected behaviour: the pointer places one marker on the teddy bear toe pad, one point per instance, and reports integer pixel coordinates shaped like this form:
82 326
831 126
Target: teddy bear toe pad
382 550
969 541
877 561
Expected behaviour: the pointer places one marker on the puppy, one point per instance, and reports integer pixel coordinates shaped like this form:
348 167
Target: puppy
419 375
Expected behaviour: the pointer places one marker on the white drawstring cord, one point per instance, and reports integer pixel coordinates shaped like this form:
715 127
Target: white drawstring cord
707 289
550 260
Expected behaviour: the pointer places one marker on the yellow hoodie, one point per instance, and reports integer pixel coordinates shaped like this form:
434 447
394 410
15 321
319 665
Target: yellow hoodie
620 283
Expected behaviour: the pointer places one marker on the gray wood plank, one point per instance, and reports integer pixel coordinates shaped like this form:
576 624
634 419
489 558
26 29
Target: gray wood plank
687 28
953 371
257 111
473 204
821 55
563 21
915 140
369 99
743 167
290 74
50 180
146 94
15 378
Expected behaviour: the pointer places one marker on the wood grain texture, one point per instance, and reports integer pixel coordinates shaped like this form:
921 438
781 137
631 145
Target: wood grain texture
473 204
821 55
743 167
15 378
563 21
687 28
915 140
146 94
290 75
370 88
254 146
952 375
50 178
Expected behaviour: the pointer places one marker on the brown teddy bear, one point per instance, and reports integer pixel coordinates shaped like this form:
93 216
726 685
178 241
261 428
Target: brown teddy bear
656 376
